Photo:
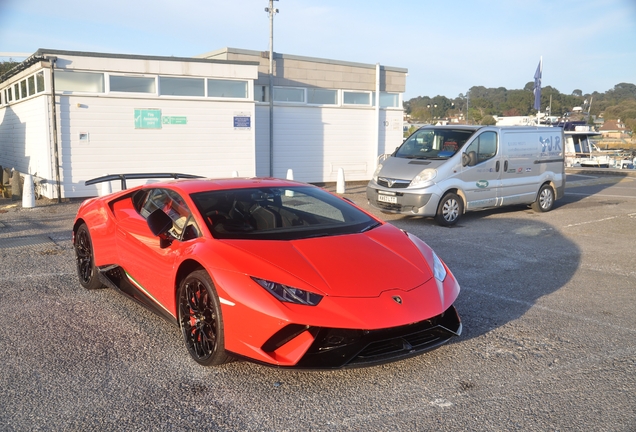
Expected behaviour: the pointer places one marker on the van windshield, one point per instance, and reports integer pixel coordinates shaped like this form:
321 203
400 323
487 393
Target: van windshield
432 143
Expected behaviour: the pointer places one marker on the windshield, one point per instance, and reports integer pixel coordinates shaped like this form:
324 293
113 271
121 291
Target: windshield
431 143
279 213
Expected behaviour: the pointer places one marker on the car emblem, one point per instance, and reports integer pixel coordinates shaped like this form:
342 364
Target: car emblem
397 299
390 182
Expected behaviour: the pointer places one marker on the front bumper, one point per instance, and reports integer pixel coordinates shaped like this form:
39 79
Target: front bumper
343 348
405 202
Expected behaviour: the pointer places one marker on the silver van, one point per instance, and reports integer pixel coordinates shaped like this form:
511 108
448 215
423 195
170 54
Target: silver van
443 171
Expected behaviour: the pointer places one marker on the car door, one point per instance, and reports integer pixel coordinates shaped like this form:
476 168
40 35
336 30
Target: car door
150 264
481 178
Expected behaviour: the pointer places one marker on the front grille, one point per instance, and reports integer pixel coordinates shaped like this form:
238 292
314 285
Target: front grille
388 206
394 183
337 348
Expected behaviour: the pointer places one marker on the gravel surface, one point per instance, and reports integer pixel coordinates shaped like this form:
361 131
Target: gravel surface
548 304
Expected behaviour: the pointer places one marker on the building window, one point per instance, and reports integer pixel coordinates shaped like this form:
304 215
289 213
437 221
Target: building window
227 88
322 96
181 86
7 95
356 98
31 85
261 93
388 100
23 88
289 94
39 82
89 82
130 84
16 91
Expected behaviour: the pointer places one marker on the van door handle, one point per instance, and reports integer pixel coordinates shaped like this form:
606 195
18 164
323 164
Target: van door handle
497 166
506 166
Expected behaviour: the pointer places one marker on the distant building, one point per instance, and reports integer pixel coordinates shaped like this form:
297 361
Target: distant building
117 113
613 129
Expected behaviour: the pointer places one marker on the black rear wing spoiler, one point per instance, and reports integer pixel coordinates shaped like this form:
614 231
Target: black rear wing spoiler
124 177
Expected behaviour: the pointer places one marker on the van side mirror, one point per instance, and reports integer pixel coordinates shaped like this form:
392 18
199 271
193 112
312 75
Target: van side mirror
469 159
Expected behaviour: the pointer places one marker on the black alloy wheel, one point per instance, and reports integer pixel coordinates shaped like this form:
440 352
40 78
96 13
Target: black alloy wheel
200 319
86 270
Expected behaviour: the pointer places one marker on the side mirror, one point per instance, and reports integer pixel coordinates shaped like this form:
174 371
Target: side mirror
469 158
159 222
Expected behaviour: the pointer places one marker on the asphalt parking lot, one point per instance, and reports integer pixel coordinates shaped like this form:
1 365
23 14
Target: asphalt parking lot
548 305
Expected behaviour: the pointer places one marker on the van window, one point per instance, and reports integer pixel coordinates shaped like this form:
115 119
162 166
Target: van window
433 143
484 146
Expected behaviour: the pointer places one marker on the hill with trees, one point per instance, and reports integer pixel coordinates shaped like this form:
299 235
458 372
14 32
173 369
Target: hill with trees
480 104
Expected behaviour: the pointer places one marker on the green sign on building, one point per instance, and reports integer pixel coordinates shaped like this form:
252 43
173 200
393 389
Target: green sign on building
147 118
174 120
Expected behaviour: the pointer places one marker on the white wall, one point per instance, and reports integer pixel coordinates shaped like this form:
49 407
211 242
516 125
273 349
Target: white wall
24 136
207 145
316 141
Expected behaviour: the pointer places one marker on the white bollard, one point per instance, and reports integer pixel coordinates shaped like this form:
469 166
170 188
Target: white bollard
234 173
28 192
290 176
340 184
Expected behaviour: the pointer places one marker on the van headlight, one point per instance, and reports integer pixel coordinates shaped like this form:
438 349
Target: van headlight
424 178
377 173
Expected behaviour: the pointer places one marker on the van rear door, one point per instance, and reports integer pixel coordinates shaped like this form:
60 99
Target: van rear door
520 175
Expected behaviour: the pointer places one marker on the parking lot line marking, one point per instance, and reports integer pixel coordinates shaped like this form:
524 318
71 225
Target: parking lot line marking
532 305
600 195
589 222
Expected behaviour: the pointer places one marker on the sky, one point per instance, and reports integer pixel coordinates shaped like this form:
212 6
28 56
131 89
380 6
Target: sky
447 46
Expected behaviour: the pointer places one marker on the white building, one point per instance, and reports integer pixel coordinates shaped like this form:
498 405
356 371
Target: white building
207 116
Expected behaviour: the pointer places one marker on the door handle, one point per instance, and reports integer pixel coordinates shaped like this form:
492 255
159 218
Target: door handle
497 166
506 166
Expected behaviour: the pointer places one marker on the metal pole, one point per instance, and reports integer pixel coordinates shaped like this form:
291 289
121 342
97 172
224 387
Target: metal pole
271 11
377 112
54 120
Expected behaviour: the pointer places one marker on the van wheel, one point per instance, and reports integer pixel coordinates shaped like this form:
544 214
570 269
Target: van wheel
449 210
545 199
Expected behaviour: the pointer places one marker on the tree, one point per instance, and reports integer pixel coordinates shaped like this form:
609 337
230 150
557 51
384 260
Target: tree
6 66
577 92
488 120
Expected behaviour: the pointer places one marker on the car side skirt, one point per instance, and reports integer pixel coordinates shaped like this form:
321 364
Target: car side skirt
115 277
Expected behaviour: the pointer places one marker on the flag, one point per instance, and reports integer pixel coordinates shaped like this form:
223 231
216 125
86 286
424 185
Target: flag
537 86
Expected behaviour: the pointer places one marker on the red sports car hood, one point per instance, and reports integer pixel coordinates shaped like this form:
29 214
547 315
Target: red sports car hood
354 265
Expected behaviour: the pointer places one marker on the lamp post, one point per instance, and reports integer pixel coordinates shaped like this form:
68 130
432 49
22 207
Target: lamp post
271 11
429 109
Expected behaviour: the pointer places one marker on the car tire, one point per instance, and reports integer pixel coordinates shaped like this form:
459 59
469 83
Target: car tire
545 199
86 270
200 319
449 210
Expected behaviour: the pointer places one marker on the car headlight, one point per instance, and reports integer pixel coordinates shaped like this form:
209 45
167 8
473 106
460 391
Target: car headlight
438 268
289 294
377 173
426 176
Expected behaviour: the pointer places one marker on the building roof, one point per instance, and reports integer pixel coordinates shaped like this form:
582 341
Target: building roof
265 54
612 125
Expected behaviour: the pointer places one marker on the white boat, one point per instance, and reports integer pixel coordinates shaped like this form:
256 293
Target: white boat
582 151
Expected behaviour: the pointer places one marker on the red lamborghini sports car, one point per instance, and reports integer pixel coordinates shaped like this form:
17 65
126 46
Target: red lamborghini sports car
274 271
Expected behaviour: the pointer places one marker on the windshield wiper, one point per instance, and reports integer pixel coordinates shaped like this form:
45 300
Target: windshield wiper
370 227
